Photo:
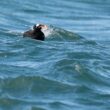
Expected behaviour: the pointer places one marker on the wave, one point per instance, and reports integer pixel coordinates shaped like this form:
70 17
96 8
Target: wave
59 34
52 34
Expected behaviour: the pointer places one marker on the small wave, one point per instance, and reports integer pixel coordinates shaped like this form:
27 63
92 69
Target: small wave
34 86
15 32
55 33
52 33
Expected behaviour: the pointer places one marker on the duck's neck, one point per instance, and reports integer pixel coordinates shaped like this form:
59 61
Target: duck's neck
37 30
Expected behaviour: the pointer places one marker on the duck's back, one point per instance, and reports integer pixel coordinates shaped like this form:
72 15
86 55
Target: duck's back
38 35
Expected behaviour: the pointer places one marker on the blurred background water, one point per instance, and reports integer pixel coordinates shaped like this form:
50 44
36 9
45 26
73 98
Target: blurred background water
70 70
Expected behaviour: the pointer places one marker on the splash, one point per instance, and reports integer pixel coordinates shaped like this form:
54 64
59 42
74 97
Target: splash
48 31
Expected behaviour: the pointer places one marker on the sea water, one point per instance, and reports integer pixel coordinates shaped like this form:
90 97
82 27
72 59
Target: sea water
70 70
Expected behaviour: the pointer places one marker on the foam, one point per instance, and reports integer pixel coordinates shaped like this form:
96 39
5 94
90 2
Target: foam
47 31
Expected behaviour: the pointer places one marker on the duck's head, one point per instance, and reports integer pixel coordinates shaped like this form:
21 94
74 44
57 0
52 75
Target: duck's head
40 26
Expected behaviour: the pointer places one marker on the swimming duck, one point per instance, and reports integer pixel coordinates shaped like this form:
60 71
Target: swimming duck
36 32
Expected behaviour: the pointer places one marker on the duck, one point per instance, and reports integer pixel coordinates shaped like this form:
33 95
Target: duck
36 32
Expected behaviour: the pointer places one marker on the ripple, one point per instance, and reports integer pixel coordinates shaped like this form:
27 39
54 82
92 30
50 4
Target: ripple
69 70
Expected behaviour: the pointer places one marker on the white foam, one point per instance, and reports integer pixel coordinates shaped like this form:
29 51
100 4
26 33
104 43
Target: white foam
78 68
15 32
47 32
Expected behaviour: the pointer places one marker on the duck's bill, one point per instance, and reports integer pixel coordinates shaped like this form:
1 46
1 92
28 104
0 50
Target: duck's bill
44 27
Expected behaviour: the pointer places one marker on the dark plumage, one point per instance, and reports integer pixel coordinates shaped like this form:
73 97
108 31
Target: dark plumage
36 32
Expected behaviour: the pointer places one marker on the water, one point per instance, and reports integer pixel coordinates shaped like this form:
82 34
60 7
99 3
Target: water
70 70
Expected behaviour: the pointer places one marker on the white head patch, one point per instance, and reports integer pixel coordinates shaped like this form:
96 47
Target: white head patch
37 25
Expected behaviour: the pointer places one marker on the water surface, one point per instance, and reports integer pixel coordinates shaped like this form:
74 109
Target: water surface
70 70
